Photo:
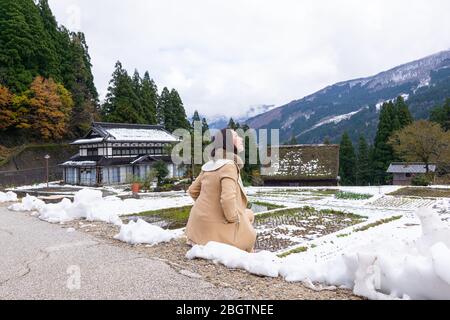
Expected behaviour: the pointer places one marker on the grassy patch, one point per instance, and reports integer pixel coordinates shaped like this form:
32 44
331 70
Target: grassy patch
343 235
343 195
377 223
293 251
306 212
325 192
174 217
422 192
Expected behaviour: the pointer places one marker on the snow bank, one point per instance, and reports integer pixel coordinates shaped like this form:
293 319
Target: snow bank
142 232
417 269
263 263
29 203
388 269
8 197
87 204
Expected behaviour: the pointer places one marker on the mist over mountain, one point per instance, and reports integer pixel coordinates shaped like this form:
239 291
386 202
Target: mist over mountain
221 122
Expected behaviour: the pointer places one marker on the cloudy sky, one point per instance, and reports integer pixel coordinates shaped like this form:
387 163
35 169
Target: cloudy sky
224 56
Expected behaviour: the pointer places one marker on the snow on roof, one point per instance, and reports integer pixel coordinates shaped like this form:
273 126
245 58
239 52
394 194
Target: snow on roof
132 134
103 131
79 164
86 141
410 168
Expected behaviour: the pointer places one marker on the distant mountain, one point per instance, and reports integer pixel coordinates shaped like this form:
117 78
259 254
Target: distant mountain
221 122
354 105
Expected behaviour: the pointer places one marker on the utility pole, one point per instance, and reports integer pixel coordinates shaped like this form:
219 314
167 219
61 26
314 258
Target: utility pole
46 166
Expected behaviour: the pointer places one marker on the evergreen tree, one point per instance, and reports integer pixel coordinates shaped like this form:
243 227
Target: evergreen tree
25 47
393 117
178 112
149 99
195 118
441 115
80 82
205 126
121 100
32 44
403 114
163 111
250 169
232 125
383 153
363 167
347 161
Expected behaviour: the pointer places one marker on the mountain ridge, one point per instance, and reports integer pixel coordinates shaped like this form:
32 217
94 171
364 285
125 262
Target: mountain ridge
423 82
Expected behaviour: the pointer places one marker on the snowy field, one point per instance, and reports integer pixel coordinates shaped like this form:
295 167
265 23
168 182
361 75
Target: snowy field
398 250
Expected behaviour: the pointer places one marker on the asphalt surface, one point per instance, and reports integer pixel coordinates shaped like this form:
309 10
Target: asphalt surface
39 260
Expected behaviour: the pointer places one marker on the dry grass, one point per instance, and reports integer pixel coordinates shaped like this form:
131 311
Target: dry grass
422 192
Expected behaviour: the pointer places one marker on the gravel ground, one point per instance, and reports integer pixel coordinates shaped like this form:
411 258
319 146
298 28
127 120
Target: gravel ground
249 286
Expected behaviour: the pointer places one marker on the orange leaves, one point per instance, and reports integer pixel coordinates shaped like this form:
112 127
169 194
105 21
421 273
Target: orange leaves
50 106
6 114
43 110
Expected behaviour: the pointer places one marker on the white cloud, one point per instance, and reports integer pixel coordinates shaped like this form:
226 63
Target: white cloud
225 55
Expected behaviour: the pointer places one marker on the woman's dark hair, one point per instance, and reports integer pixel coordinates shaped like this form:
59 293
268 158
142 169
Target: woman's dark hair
223 140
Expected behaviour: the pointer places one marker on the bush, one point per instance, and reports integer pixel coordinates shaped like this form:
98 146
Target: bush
352 196
421 180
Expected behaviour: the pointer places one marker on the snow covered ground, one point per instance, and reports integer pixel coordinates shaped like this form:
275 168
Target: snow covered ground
8 197
400 251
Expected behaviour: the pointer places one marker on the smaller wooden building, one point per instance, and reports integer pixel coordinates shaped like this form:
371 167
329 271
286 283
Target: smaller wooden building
404 172
305 165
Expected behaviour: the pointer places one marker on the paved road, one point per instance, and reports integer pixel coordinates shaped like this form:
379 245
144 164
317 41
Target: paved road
39 260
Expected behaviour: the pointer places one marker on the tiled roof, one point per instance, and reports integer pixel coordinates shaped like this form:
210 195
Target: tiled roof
410 168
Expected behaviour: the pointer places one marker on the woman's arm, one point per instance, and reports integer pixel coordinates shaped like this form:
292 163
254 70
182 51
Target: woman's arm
229 185
194 189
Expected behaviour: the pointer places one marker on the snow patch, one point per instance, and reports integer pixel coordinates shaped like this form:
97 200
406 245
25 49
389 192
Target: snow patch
141 232
418 268
8 197
263 263
380 104
28 203
335 120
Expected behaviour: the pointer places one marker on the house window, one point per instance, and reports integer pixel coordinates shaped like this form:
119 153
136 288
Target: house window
87 176
92 152
114 174
408 175
71 175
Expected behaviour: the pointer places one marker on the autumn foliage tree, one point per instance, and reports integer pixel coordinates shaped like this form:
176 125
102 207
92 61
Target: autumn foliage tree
50 108
423 141
6 112
43 111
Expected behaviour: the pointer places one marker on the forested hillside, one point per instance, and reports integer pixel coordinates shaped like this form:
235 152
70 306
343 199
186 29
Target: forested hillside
47 90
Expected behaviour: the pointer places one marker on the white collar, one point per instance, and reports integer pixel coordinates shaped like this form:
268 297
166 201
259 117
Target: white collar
214 165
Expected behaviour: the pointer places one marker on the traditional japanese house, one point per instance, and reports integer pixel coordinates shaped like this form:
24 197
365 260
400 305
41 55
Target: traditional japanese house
113 153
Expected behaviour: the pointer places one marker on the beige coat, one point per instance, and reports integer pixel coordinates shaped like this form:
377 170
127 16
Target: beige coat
220 211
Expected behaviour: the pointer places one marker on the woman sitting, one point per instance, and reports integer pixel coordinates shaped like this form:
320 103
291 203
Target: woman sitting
220 211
